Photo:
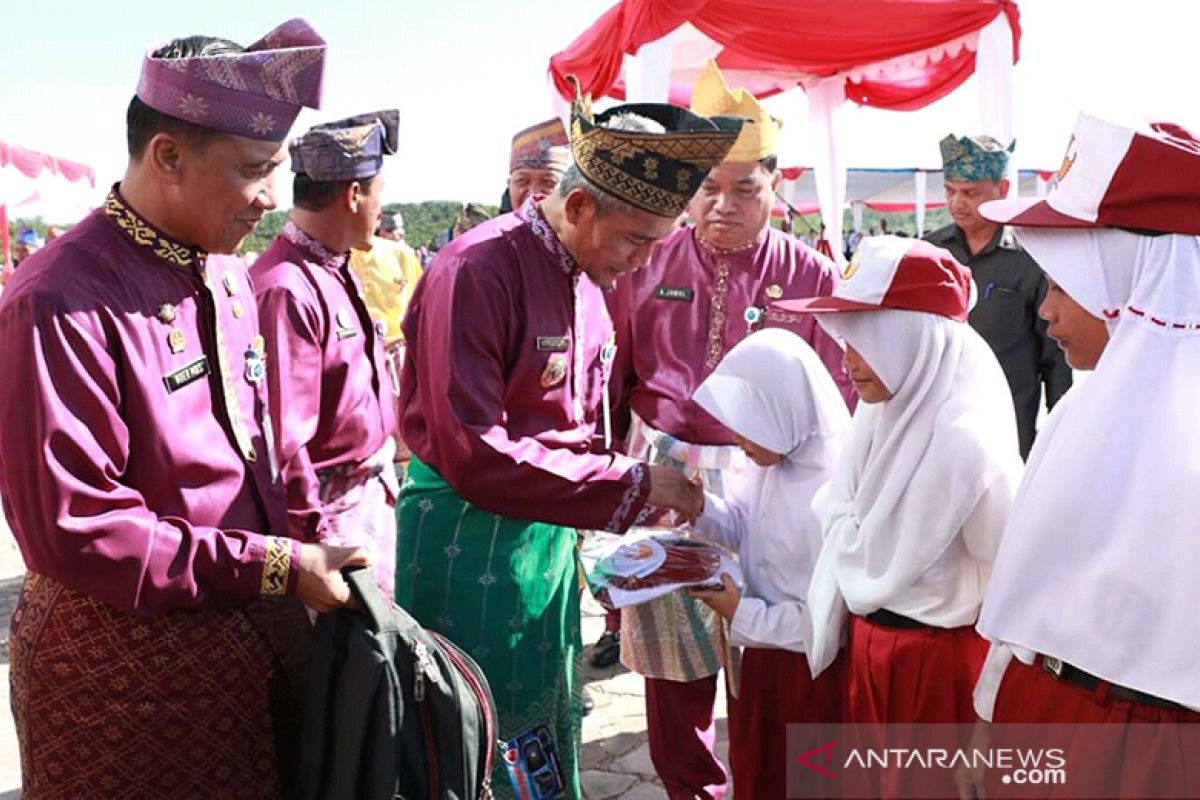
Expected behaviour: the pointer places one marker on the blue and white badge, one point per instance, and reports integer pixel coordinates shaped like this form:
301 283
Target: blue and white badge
256 367
608 353
256 360
753 316
380 328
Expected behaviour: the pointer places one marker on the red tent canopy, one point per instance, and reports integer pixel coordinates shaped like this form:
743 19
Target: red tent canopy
772 45
31 164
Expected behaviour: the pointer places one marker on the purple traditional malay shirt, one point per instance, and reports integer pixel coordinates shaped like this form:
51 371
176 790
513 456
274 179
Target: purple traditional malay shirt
677 318
330 390
133 464
509 350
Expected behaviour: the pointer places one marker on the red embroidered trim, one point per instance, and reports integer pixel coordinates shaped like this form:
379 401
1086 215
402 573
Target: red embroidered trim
1162 323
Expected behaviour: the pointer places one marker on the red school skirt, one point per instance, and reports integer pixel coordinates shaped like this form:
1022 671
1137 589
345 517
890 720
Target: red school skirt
776 689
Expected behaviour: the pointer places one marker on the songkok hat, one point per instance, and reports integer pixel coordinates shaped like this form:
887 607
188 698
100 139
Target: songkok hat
348 149
712 97
656 172
256 93
974 158
897 272
541 146
1144 178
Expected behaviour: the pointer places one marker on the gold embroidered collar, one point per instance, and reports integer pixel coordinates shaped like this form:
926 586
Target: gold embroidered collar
708 247
143 234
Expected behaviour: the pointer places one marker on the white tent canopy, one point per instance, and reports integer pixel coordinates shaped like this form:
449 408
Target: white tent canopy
912 189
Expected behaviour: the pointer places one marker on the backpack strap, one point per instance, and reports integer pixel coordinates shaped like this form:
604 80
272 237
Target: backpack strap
370 600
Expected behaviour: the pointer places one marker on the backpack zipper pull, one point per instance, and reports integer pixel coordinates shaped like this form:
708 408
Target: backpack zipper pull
419 672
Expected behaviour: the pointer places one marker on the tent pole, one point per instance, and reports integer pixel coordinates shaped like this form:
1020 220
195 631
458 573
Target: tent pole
919 178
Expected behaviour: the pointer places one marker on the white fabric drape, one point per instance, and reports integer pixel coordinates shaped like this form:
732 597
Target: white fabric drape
825 101
994 69
648 74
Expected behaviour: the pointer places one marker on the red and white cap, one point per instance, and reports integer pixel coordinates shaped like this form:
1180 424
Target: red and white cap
1145 178
897 272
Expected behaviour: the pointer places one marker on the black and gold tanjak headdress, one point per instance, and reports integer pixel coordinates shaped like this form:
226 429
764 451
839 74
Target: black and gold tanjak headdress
656 172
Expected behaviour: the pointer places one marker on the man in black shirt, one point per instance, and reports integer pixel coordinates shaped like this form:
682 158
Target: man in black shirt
1010 283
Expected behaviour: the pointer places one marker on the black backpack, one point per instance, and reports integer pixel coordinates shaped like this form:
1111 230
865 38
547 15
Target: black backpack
392 711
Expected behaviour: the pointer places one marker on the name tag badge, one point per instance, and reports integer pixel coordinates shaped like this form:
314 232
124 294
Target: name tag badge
553 344
681 294
188 373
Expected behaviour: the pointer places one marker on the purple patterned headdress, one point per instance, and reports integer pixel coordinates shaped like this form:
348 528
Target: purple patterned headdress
348 149
255 93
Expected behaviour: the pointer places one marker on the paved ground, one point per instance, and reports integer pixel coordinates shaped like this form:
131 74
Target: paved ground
616 757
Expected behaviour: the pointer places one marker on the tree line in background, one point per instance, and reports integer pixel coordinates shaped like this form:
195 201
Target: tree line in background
901 222
423 222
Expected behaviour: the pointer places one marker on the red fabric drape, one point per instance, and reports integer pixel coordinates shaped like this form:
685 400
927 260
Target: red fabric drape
31 163
815 37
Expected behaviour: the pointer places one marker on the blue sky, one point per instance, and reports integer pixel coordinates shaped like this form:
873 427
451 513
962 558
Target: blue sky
467 73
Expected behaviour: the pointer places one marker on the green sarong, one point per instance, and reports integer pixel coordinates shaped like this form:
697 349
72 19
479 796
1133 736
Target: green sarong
505 591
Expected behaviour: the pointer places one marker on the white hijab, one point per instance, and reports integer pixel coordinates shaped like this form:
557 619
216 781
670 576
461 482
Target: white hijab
1100 560
775 391
914 467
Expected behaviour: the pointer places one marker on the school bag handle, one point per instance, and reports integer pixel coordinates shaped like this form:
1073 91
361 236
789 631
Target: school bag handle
371 601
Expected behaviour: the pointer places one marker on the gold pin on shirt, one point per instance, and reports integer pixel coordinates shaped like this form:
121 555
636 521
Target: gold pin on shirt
238 311
555 371
176 341
774 291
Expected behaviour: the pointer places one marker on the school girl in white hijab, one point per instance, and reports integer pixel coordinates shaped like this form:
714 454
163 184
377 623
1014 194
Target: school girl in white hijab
915 511
1095 588
779 400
